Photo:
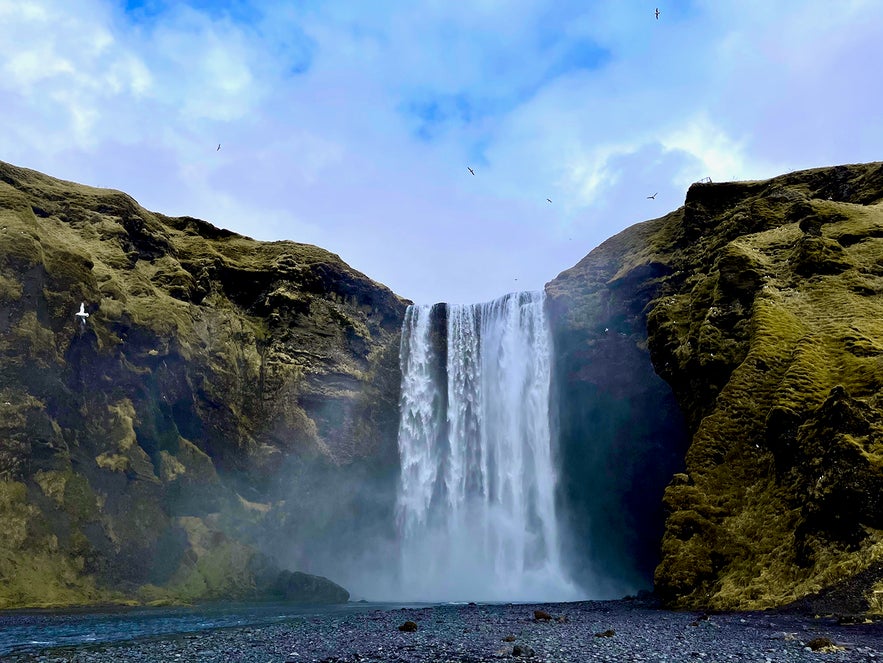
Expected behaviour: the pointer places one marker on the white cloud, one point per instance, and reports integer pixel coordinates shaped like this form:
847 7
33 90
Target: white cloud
590 175
204 67
33 66
351 124
720 156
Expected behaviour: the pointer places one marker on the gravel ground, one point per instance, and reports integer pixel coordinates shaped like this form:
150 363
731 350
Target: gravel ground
589 631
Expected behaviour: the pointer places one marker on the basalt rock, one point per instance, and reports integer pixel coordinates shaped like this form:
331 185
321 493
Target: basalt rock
621 434
759 305
306 588
144 447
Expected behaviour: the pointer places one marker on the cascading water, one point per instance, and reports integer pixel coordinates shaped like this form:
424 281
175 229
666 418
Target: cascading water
476 504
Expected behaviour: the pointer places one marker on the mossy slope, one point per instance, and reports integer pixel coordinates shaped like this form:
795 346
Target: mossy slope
207 361
763 309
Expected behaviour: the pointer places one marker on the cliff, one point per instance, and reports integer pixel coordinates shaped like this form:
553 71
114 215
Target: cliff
759 304
144 449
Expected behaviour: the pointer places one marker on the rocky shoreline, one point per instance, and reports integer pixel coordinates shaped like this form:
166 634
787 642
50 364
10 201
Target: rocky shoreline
586 631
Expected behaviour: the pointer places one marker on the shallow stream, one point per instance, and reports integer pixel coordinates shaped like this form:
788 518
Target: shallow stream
27 631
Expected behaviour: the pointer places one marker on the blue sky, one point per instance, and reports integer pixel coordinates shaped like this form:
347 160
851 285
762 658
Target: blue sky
350 124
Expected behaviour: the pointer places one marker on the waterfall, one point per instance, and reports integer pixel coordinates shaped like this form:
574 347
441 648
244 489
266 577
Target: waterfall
476 501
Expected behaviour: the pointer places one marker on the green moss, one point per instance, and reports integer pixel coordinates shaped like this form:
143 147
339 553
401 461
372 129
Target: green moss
79 499
812 324
34 570
32 342
196 462
113 462
10 289
19 249
15 514
875 599
220 573
216 566
46 580
53 484
70 492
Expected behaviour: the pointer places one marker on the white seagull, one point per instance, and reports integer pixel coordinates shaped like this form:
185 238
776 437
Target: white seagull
81 314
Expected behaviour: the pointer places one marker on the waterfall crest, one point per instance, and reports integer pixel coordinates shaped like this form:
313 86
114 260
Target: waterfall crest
476 501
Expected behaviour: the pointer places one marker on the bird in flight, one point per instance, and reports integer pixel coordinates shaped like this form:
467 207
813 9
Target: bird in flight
548 200
653 197
81 314
470 170
657 13
219 147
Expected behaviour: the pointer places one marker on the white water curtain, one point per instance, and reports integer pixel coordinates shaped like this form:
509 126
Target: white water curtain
476 504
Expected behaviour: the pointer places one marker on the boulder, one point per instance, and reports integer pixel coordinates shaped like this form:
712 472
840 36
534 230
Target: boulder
300 587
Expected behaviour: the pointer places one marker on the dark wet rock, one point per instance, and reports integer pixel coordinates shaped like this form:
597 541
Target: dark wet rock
305 588
408 626
541 616
523 650
820 642
609 633
619 424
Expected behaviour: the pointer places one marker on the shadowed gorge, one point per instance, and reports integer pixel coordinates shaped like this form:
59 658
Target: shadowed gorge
621 435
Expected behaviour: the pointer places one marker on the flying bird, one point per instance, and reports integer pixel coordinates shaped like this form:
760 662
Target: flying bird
548 200
81 314
470 170
653 197
657 13
219 147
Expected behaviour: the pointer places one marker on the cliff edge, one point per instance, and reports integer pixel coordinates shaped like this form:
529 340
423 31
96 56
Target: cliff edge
144 447
759 304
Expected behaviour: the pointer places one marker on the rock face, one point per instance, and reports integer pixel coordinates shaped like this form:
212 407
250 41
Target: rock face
306 588
143 449
621 434
762 305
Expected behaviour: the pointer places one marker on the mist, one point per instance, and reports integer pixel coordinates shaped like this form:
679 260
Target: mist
497 484
337 521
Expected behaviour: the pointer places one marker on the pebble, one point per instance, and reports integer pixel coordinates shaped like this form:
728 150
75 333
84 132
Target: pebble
469 635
